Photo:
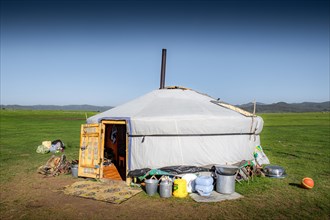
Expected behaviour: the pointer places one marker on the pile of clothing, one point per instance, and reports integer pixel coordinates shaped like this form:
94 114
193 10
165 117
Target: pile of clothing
50 146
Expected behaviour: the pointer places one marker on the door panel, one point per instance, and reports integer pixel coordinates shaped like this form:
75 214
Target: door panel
91 148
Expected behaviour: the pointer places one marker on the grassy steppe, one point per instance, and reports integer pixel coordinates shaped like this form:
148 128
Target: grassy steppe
298 142
21 131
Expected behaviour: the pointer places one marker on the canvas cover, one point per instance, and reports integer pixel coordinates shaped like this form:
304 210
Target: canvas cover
171 127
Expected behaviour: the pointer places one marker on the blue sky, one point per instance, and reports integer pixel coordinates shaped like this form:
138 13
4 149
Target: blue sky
109 52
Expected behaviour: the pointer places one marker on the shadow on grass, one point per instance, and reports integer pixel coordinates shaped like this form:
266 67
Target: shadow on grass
296 185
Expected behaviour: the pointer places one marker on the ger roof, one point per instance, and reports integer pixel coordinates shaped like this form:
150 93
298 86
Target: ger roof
177 110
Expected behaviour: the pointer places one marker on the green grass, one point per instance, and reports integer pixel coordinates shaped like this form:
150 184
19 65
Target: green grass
22 131
298 142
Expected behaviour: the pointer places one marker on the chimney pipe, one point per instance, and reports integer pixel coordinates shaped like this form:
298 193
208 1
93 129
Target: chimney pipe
162 71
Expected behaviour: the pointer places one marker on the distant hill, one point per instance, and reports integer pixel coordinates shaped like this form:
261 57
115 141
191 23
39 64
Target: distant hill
286 107
59 107
261 107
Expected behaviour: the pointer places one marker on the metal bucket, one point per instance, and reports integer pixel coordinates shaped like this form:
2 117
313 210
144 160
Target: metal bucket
151 186
226 169
74 170
165 189
225 184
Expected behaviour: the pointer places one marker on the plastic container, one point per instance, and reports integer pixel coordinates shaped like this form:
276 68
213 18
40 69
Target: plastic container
204 190
180 188
74 170
204 180
165 189
190 178
151 186
225 184
204 185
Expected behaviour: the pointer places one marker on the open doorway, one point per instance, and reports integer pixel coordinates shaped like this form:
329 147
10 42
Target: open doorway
115 146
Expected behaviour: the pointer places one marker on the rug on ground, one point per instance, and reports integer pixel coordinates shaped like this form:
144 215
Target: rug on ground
215 197
109 191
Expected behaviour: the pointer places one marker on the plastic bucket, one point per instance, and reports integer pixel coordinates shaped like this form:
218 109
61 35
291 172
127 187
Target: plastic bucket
165 189
151 186
225 184
74 170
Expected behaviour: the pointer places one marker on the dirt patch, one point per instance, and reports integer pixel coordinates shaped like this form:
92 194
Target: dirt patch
36 197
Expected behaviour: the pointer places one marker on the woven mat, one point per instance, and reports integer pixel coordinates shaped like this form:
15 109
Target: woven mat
110 191
215 197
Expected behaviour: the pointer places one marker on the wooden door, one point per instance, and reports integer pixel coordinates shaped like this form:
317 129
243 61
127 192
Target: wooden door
91 150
